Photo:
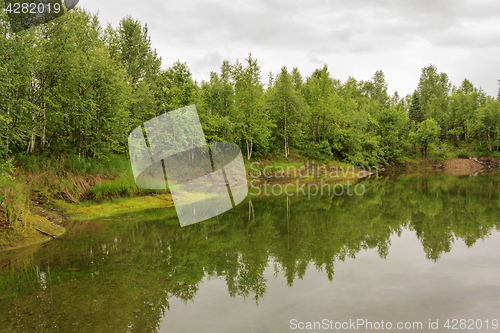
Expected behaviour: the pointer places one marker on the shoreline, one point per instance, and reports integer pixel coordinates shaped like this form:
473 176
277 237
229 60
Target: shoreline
48 215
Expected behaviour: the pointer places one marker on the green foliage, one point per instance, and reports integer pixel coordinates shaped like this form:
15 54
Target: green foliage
7 169
426 134
287 110
319 151
441 152
415 111
14 202
13 195
251 118
75 89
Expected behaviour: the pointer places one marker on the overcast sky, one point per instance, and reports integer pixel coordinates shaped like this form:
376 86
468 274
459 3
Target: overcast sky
354 38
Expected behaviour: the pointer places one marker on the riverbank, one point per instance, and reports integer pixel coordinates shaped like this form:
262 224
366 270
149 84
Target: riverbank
39 194
94 196
452 166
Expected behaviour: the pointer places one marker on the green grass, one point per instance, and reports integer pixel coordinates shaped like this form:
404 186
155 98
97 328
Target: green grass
74 179
64 177
64 164
122 186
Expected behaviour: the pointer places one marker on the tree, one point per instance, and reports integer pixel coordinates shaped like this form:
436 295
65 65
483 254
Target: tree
286 106
427 133
218 98
484 125
498 96
178 87
319 97
251 117
130 44
378 89
434 89
393 132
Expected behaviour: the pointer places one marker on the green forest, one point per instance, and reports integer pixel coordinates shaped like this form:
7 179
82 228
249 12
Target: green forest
72 90
75 87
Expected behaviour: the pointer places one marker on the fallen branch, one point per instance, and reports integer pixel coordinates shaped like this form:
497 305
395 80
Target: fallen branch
472 158
43 232
476 173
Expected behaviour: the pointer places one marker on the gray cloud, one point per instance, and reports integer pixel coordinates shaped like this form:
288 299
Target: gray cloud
354 37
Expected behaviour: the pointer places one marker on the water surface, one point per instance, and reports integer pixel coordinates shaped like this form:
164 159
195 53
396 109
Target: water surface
413 248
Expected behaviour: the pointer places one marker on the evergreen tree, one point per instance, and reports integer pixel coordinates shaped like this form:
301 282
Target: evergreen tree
415 111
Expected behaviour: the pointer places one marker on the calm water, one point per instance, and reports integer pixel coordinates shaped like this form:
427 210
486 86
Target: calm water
413 249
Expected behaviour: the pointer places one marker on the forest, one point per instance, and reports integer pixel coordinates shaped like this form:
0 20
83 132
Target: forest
74 87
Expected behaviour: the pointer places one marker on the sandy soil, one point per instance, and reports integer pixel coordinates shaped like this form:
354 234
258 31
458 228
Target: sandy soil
459 167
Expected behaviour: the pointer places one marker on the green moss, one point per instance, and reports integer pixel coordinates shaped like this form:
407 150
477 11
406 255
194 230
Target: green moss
91 210
33 231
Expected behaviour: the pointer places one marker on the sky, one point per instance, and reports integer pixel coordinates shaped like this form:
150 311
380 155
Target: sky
353 38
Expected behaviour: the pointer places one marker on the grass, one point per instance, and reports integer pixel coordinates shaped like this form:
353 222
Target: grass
27 229
75 179
273 165
122 186
91 210
67 178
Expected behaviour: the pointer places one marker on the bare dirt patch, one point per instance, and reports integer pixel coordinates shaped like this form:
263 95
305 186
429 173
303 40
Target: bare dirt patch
461 167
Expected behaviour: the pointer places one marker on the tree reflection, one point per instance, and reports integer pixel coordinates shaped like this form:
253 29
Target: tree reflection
120 275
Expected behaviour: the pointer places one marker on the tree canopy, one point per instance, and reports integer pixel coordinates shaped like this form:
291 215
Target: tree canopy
72 86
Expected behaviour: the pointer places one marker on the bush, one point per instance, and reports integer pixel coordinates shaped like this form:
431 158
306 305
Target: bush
319 151
7 169
463 153
440 152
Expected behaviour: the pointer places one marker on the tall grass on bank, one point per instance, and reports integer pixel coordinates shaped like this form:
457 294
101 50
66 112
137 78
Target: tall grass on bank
74 178
272 165
25 178
71 177
14 202
123 186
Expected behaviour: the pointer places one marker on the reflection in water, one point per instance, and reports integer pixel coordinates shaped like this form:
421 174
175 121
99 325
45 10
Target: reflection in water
122 275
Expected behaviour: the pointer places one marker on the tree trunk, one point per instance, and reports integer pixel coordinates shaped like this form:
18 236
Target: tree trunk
249 149
79 143
43 123
95 153
319 124
489 141
43 106
285 132
8 126
313 128
31 144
